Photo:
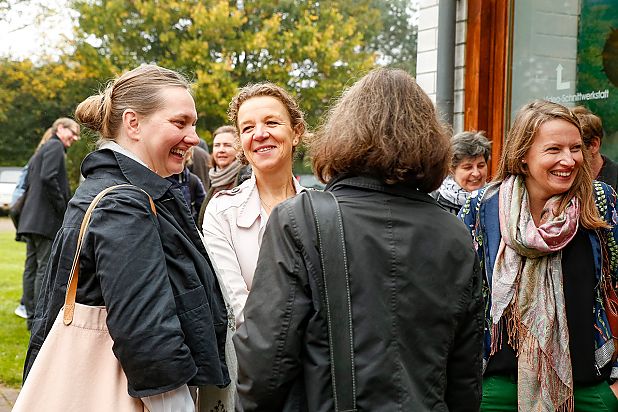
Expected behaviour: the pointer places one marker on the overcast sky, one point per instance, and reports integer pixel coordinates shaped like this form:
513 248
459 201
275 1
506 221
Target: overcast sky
24 34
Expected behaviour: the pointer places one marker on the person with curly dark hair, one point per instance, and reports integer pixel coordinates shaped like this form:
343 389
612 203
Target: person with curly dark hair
468 171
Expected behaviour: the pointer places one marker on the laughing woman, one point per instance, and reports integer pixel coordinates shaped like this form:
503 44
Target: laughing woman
165 309
545 234
270 126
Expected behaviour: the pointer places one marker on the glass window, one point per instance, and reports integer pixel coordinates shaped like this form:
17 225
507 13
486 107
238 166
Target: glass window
567 51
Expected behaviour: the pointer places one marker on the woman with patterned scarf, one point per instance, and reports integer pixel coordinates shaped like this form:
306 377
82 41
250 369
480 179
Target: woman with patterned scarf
468 170
545 234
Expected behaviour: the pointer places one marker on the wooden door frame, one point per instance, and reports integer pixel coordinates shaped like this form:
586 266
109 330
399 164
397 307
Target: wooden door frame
487 71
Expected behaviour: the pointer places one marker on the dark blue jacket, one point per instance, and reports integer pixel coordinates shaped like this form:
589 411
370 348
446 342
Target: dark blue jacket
166 313
417 311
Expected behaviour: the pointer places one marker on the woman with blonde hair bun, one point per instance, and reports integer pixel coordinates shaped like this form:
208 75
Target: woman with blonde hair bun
165 309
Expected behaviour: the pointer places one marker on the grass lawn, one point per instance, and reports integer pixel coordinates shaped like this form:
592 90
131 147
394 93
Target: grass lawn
13 334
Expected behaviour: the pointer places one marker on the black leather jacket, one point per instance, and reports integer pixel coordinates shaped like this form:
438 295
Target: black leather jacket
416 306
166 313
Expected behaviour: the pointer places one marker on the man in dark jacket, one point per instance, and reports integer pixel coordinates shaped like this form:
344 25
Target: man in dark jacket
604 169
46 200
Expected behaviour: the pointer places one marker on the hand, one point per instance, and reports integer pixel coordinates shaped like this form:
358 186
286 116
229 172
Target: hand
614 388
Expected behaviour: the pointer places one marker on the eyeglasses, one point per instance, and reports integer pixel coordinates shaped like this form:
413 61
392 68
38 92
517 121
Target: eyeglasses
75 134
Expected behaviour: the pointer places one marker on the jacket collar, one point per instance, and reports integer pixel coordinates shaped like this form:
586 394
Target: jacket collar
367 182
135 173
251 208
55 136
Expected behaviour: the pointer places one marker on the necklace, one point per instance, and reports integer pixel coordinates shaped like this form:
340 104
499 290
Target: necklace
269 206
266 206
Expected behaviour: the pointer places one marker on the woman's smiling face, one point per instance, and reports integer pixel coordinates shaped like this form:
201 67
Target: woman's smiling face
471 173
553 160
223 151
266 133
167 134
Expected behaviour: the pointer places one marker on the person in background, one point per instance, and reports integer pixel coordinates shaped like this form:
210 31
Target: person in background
415 284
190 185
199 164
225 166
545 235
165 308
226 171
44 206
20 190
603 168
468 171
269 127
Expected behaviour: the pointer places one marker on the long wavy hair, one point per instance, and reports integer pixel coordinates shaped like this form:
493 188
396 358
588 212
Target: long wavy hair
519 140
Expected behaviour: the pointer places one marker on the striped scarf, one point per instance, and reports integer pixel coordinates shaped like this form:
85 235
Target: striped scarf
527 292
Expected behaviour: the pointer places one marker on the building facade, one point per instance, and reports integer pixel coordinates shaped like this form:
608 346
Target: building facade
508 52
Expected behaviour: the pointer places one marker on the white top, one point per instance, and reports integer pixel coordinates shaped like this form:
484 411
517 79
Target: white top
122 150
234 224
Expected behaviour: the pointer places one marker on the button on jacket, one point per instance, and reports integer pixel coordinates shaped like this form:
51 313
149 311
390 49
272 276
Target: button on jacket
417 309
166 313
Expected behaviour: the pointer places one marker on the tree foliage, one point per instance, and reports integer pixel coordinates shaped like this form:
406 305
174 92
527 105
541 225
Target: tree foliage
396 39
312 48
31 98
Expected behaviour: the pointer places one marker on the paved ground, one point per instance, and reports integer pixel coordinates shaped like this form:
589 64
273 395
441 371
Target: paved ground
7 395
7 398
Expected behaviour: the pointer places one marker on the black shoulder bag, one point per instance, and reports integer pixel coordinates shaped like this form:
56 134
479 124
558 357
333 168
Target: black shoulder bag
336 287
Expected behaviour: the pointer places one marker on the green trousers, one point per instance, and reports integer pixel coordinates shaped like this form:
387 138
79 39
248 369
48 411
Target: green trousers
500 395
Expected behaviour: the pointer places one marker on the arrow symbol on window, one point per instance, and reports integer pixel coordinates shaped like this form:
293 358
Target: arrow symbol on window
560 85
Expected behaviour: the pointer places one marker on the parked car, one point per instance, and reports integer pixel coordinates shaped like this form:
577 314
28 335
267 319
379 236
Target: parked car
310 182
8 180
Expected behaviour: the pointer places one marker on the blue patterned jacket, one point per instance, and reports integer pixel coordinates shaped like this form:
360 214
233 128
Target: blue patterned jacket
480 215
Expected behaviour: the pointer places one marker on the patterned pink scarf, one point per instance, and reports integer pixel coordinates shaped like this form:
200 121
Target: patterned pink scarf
527 291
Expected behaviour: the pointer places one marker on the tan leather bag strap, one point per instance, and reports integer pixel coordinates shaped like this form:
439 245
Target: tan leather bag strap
69 300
